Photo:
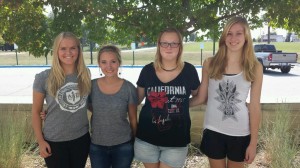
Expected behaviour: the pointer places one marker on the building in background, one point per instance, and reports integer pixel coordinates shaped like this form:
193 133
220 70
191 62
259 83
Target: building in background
273 38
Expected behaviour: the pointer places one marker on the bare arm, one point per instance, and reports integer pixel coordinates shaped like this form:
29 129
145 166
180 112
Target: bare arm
254 113
141 94
132 113
201 96
37 107
195 92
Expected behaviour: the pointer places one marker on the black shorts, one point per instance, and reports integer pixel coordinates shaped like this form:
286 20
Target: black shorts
219 146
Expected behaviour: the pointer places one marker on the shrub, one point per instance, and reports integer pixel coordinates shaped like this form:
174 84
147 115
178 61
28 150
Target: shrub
15 136
279 139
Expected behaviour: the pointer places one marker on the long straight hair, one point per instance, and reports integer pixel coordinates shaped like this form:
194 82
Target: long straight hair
57 75
158 57
249 62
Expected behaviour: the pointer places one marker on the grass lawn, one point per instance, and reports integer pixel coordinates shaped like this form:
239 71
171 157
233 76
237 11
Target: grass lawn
192 54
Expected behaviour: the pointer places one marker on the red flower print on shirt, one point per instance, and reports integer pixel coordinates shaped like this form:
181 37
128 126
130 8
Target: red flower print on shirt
157 99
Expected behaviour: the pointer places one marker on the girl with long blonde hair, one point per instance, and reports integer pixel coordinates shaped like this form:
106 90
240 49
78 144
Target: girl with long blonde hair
231 123
64 138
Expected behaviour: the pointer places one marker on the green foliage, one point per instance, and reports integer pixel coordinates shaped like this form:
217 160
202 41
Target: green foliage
279 140
1 41
284 14
25 25
103 21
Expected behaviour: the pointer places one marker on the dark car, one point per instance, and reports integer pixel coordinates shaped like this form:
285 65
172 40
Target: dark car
7 46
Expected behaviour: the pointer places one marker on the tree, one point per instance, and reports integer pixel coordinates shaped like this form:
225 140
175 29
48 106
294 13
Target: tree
126 21
149 17
288 37
119 21
284 14
23 23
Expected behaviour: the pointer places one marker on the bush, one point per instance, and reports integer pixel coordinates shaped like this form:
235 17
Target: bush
279 139
15 136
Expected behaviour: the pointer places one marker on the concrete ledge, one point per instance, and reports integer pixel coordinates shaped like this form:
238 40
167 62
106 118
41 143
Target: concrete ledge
196 113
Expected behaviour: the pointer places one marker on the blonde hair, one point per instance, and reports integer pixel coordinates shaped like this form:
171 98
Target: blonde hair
158 57
113 49
249 61
57 76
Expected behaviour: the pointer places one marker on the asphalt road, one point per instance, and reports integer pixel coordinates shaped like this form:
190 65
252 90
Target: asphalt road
281 88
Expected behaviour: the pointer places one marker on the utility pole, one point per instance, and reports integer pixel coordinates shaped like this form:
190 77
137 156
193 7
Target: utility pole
268 20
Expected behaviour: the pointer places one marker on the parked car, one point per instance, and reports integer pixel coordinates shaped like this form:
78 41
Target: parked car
271 58
7 46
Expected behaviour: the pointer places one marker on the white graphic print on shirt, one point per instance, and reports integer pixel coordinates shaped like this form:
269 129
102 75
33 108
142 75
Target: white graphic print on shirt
227 96
69 99
165 111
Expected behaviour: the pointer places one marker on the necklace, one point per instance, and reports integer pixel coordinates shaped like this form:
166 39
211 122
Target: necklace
169 70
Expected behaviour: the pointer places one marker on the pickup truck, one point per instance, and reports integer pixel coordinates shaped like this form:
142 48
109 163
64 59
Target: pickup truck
269 57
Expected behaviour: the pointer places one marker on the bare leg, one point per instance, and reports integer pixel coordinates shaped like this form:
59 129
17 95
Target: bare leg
233 164
217 163
151 165
163 165
156 165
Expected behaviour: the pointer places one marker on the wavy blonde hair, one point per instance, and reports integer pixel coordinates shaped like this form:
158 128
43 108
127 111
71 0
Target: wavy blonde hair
57 76
158 57
249 62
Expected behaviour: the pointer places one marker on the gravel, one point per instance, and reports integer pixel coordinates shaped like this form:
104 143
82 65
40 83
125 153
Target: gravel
33 160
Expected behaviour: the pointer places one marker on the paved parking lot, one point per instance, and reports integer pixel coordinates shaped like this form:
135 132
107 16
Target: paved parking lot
16 83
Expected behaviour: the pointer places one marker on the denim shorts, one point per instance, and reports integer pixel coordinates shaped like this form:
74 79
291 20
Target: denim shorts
148 153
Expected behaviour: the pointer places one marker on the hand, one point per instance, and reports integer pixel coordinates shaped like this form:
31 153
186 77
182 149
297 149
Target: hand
43 114
250 154
45 150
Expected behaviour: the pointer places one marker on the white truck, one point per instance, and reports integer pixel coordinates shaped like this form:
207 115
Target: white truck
269 57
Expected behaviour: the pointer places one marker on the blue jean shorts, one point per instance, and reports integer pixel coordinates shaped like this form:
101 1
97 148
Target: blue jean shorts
148 153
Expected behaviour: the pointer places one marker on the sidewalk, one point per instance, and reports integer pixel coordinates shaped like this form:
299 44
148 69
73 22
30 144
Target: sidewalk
16 83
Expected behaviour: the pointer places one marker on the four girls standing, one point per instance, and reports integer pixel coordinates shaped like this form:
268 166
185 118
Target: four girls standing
163 133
